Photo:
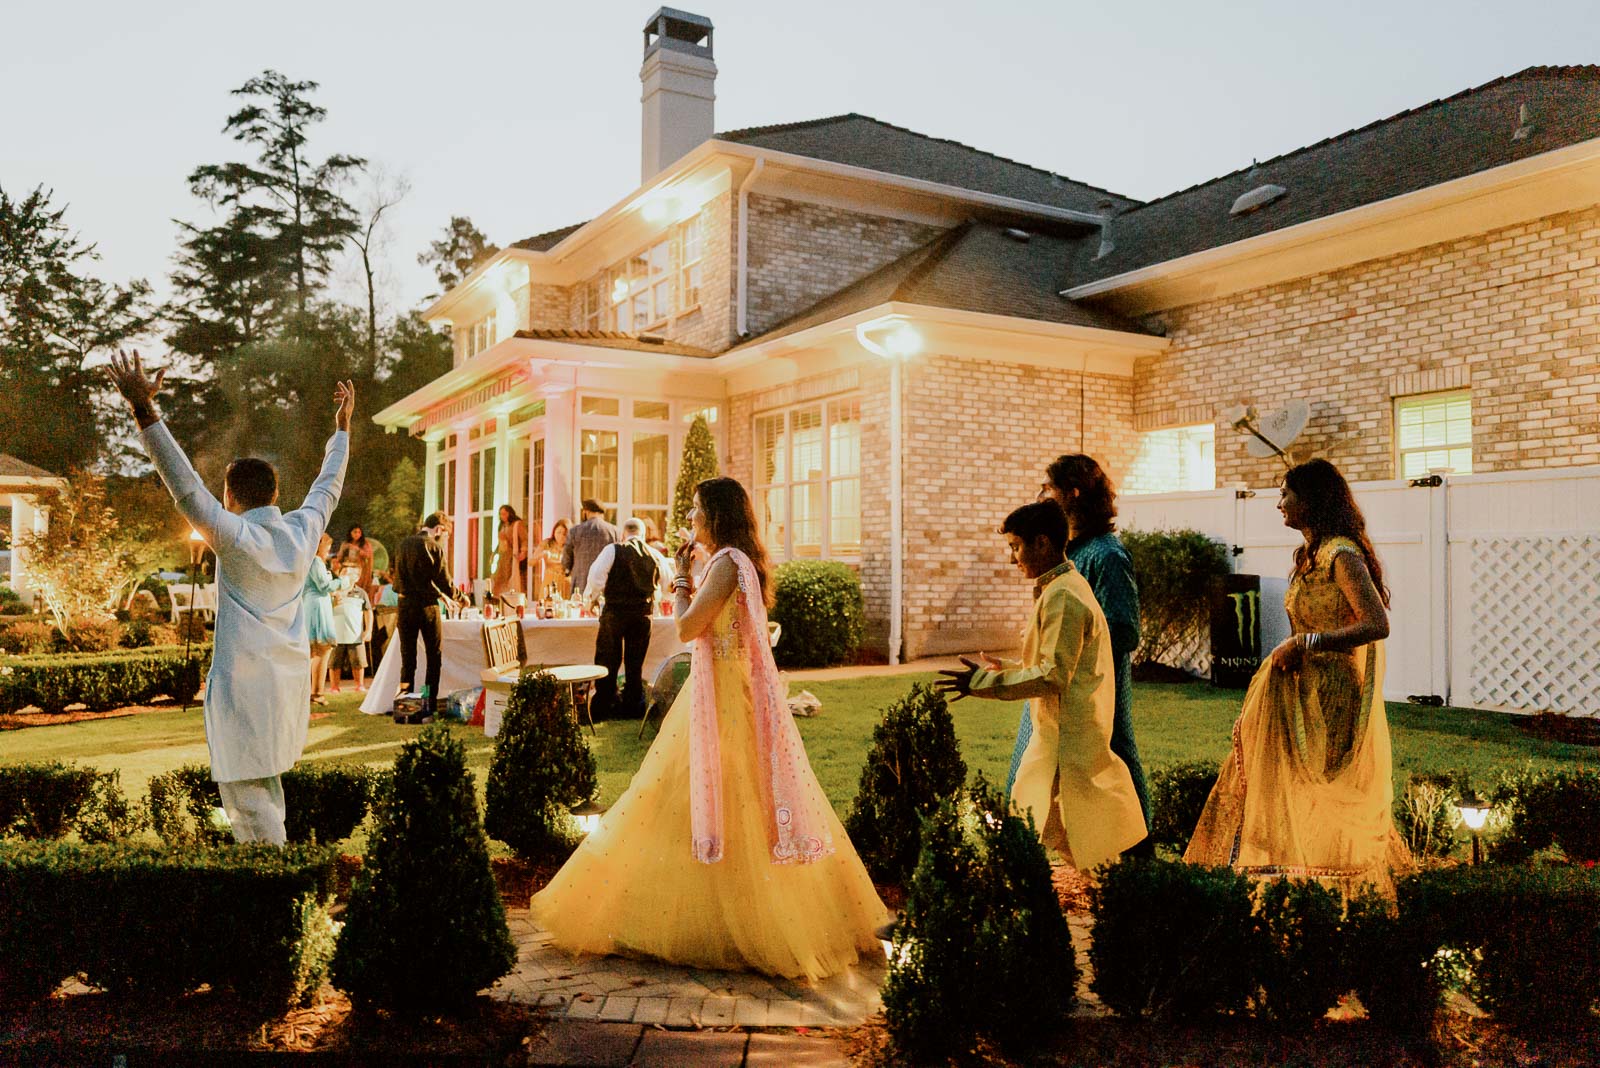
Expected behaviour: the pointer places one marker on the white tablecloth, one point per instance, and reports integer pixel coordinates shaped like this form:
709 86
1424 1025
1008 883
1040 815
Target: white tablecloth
547 641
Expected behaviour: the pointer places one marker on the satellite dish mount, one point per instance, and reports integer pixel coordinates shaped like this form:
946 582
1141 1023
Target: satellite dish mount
1272 433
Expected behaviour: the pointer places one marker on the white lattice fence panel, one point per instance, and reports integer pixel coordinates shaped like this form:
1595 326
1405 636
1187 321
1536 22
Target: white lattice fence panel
1536 622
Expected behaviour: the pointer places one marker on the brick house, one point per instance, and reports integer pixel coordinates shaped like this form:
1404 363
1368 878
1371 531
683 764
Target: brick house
891 333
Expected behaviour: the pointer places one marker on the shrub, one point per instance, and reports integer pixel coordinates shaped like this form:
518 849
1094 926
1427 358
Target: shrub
818 603
1175 570
325 803
981 912
1173 940
144 918
100 681
425 929
143 633
28 637
1391 958
913 766
43 800
1426 815
107 815
11 602
541 768
1541 809
1178 794
1301 970
96 635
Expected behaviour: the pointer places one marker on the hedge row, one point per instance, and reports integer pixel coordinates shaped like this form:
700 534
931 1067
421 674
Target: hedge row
1183 942
100 681
251 919
47 800
325 803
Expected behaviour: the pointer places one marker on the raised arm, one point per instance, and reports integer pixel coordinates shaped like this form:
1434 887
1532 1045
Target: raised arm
1062 620
694 617
323 497
204 512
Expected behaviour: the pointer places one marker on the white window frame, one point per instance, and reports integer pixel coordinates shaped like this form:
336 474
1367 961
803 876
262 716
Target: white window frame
626 426
482 334
1134 487
611 297
1433 404
826 478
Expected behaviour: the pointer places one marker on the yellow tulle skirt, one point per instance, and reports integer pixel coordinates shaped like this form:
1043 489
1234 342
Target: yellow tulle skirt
633 888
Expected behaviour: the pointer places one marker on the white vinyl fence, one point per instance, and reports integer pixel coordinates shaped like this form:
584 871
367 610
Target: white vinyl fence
1494 579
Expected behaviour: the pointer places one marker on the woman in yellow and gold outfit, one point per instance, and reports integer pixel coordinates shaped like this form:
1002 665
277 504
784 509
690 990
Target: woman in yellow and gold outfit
723 852
1307 788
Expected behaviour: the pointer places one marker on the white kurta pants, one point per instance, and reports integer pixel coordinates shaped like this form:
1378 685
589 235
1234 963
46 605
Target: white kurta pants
255 808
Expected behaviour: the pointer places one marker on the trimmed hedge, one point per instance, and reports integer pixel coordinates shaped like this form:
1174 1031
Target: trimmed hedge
1175 570
49 800
149 919
1539 809
819 605
541 768
325 803
101 681
913 766
1178 794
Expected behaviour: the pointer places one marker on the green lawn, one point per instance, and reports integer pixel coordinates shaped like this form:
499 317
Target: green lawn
1173 722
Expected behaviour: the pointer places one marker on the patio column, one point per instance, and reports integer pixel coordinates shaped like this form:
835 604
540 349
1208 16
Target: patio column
560 463
502 462
25 519
460 508
430 475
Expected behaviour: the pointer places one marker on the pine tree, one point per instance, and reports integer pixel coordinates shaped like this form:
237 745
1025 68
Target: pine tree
699 463
541 768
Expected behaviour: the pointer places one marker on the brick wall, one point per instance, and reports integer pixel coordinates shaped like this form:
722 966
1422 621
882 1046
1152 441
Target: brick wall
549 308
799 253
1514 314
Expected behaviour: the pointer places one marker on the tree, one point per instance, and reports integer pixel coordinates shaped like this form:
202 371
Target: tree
454 255
699 463
296 200
395 513
367 237
84 563
53 316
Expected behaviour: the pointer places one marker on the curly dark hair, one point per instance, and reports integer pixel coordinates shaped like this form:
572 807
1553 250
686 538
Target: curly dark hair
1096 503
731 518
1330 512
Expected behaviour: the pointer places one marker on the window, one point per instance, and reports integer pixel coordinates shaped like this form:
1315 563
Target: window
808 479
600 406
651 490
597 469
445 475
693 246
536 523
1433 430
648 288
710 412
480 335
1174 460
652 410
527 412
482 518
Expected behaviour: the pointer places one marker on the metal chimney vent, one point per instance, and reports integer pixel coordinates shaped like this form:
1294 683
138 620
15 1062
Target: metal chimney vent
1257 198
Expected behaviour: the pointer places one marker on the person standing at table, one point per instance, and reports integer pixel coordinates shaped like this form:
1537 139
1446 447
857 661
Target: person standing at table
629 575
511 557
421 581
584 543
551 571
258 688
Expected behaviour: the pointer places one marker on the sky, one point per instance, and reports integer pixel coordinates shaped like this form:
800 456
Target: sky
524 116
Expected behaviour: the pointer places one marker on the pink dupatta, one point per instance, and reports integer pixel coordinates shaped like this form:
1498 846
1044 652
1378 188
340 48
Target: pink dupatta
796 829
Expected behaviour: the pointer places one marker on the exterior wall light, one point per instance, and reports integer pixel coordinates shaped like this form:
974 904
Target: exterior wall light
894 340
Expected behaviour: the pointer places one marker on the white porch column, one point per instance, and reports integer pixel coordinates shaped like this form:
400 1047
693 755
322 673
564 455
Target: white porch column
25 519
430 476
560 454
502 462
459 510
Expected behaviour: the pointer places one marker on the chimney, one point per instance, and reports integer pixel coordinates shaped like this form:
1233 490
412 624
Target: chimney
679 81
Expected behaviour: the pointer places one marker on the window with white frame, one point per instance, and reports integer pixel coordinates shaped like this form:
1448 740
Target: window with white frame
1173 460
480 335
1433 430
808 479
648 288
482 508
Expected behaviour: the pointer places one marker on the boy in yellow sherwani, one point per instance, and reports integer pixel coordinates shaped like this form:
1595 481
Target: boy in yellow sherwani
1080 792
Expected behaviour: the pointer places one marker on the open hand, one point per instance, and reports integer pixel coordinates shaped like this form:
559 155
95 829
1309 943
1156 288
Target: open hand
1289 654
957 684
127 375
345 397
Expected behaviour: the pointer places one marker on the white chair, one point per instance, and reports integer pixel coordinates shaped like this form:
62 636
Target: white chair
179 596
502 653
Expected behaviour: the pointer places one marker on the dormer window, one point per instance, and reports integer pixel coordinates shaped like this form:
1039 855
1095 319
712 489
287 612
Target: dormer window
650 287
480 335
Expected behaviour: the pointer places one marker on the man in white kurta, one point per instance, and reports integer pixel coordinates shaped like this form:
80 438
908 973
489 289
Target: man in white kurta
258 690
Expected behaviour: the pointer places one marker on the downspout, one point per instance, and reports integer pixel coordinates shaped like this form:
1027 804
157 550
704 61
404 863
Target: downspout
896 516
741 315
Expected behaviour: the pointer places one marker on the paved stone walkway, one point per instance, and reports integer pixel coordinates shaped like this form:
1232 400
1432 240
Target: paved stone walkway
582 1044
620 990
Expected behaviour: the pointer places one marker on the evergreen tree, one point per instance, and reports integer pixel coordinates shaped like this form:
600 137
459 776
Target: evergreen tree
425 929
541 768
699 463
395 513
454 255
53 316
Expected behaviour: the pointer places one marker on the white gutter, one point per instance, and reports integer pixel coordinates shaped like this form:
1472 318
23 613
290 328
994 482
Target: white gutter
743 296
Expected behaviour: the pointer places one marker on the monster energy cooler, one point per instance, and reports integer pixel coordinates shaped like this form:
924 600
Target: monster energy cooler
1236 631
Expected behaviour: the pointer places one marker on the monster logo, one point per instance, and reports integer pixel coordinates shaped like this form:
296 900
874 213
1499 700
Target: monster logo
1246 607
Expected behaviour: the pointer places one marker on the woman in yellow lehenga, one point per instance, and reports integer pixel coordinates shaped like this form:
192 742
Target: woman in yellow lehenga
1306 790
723 852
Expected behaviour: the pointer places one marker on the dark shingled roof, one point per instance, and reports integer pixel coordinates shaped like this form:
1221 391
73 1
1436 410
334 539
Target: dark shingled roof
974 267
611 339
861 141
547 240
11 467
1435 143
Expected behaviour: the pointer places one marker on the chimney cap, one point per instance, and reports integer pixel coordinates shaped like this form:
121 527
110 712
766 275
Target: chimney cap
681 31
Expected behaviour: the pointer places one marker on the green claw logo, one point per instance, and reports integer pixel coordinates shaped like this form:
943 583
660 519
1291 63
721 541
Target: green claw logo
1252 599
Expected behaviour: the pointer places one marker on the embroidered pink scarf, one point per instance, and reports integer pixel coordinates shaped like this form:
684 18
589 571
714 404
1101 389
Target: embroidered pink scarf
797 830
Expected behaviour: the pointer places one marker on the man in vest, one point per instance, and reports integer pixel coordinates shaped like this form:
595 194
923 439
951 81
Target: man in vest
629 575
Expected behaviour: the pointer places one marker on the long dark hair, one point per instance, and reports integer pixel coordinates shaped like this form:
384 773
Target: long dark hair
1096 503
349 534
1330 511
732 521
515 518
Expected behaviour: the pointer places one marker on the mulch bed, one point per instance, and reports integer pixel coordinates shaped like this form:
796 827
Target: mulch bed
11 721
1555 727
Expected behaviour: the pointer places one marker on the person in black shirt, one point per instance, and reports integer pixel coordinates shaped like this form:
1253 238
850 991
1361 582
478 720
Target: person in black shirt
628 574
420 582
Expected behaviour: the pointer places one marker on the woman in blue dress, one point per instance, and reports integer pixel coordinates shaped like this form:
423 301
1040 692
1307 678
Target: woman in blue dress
1084 491
319 588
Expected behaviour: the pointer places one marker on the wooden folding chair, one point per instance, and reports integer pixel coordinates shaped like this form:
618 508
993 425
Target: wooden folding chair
502 655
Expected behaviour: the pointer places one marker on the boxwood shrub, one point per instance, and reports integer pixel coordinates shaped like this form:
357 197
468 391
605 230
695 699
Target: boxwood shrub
251 919
100 681
1539 809
541 768
819 604
1175 570
1178 794
325 803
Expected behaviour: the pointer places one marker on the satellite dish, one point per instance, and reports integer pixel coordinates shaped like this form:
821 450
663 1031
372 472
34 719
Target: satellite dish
1275 430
